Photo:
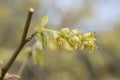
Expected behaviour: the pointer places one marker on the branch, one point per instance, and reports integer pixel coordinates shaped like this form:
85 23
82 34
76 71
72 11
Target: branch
30 37
21 45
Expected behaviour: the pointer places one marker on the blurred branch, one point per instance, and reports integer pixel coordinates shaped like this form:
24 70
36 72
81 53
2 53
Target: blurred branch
22 67
21 45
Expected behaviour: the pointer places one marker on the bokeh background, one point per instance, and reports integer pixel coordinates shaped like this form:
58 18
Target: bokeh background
100 16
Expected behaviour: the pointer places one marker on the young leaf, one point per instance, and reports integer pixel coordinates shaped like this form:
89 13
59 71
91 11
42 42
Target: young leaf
37 57
43 21
44 41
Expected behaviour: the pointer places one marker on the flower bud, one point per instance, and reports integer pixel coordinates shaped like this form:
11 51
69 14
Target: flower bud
89 35
75 31
75 39
64 31
11 76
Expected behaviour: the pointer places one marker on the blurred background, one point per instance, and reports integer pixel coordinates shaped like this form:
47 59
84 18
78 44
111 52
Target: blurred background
100 16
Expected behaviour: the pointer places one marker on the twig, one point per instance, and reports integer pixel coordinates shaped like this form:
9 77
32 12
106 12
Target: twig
21 45
30 37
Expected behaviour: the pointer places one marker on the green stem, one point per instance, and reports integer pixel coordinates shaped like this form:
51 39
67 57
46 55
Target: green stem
48 30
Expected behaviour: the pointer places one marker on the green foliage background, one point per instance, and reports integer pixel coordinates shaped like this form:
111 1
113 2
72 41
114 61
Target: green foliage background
102 64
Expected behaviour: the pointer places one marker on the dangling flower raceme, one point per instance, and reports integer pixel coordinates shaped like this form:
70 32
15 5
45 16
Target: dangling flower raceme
74 38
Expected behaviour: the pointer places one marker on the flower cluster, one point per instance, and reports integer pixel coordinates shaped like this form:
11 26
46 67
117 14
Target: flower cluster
76 39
